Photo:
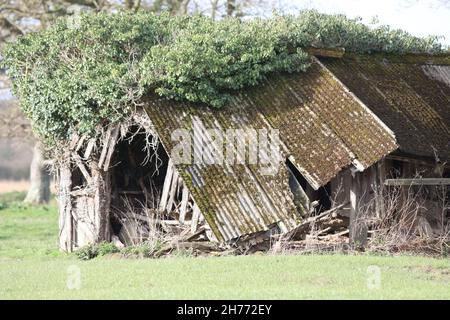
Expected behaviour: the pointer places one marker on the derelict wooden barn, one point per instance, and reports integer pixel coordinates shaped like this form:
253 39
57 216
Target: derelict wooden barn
348 126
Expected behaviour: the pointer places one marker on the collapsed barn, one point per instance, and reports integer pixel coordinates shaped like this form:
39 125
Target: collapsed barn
349 129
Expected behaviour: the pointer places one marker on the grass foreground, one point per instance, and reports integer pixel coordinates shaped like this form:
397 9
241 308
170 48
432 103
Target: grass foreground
32 268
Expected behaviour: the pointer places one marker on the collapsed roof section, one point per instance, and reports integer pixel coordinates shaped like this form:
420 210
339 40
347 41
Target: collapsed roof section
323 128
410 94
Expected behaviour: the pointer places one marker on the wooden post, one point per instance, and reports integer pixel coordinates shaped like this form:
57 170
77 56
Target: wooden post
65 209
166 187
184 203
91 209
358 227
195 217
173 190
381 177
102 200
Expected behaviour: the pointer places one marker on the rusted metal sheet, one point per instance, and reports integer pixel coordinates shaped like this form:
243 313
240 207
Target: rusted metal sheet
411 97
322 128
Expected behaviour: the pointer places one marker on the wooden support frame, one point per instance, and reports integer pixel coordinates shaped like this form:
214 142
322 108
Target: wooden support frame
358 227
195 218
84 210
416 161
86 195
166 187
379 176
184 203
330 53
418 182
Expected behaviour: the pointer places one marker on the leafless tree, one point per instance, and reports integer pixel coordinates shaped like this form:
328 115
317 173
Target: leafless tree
18 17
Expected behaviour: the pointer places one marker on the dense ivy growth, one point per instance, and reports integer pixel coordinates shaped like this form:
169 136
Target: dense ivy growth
92 69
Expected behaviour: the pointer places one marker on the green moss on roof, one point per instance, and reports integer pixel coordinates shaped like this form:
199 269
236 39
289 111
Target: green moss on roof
411 97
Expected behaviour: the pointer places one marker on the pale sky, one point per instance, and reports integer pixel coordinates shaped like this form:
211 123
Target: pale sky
418 17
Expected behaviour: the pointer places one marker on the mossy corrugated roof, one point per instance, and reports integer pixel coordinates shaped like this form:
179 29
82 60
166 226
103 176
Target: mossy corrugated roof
410 94
323 128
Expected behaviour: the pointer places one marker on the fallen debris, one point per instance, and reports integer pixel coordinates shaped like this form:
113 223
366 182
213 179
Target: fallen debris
195 247
327 223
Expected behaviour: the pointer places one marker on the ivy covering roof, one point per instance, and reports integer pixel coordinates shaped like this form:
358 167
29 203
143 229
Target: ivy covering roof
91 70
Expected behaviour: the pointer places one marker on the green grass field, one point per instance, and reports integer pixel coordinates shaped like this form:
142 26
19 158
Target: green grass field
32 268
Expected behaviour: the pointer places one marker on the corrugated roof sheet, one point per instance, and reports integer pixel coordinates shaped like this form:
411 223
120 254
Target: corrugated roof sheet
236 199
322 127
411 96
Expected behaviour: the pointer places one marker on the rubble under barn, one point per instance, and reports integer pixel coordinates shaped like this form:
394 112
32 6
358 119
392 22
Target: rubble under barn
349 129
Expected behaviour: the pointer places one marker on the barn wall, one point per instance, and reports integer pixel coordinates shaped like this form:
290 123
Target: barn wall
358 196
102 193
364 196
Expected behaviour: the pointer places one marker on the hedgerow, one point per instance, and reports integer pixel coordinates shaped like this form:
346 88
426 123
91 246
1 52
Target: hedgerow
93 69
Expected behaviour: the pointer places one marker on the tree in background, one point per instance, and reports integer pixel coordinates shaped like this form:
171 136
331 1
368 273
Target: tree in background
14 127
15 139
18 17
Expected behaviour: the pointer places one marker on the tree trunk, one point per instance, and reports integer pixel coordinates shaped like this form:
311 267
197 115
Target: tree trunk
214 9
231 7
39 191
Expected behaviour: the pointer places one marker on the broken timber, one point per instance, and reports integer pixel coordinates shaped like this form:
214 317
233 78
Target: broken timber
327 219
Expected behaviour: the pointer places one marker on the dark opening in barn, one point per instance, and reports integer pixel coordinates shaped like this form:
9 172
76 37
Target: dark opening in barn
137 180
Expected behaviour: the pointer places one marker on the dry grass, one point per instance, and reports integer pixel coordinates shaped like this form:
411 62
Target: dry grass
11 185
20 186
411 222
